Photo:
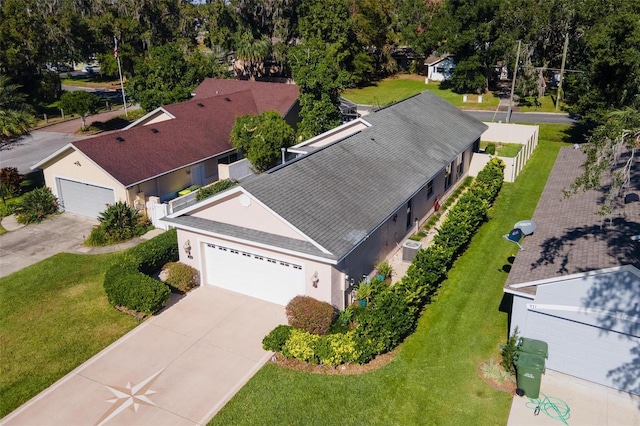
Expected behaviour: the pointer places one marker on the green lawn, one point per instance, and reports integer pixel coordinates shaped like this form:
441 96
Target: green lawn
546 104
433 379
397 88
54 315
508 150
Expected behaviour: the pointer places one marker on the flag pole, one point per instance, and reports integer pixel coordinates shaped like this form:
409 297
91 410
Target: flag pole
115 53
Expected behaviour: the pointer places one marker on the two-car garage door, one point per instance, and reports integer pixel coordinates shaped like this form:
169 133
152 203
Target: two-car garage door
256 275
84 199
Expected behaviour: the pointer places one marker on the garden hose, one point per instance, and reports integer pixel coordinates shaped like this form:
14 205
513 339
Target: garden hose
553 407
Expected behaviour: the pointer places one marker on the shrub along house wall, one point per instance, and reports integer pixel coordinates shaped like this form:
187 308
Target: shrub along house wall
393 311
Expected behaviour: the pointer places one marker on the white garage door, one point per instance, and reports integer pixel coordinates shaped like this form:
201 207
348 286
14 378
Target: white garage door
266 278
84 199
586 351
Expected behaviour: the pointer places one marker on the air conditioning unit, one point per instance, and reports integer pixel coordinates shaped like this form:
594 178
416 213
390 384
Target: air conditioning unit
409 250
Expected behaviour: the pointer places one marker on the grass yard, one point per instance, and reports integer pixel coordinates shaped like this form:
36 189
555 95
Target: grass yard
433 379
508 150
402 86
547 104
54 316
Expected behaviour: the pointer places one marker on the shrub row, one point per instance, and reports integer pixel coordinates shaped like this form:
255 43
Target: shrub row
392 312
181 277
127 284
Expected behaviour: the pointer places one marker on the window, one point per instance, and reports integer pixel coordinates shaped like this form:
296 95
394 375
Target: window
409 215
460 160
429 189
448 180
440 70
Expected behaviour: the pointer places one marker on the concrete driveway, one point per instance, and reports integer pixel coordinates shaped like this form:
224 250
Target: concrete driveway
26 245
589 404
178 368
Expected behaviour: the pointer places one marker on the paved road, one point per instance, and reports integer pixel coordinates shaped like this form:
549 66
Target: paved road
29 150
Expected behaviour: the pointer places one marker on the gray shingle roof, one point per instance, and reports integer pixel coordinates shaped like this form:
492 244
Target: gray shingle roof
339 194
246 234
570 238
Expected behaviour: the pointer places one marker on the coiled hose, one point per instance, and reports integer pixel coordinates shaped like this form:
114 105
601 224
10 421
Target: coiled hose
553 407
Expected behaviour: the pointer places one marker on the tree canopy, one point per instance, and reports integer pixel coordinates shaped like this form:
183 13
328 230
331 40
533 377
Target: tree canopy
81 103
260 138
16 116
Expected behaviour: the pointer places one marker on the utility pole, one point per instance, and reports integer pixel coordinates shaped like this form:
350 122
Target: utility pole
513 84
564 59
115 53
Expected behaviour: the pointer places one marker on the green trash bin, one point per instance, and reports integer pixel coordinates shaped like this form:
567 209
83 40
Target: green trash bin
529 371
533 346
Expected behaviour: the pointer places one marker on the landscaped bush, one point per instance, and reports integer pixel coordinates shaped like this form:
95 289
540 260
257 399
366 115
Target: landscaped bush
362 332
383 325
490 149
211 190
36 206
153 254
310 314
127 287
275 340
301 345
118 223
336 349
10 182
181 277
127 283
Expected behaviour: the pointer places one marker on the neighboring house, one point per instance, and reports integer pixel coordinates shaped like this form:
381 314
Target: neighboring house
576 284
439 68
317 224
167 150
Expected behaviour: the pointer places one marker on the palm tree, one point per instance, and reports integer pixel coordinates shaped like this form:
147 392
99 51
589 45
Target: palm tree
251 54
16 116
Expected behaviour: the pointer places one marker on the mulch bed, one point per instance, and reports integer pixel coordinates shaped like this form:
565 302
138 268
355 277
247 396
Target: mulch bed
344 369
506 386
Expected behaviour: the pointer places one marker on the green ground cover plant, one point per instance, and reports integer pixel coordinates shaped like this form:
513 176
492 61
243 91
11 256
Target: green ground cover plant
433 379
54 315
399 87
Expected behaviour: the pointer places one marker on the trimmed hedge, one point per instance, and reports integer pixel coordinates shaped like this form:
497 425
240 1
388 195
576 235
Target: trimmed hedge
153 254
392 312
127 283
310 314
136 291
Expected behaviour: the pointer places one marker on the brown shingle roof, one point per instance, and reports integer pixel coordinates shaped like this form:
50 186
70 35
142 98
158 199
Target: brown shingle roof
570 237
268 96
200 130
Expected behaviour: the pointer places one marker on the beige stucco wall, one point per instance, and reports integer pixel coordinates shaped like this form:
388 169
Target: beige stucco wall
73 165
230 210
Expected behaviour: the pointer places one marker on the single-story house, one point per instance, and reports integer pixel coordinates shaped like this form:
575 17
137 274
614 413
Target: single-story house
167 150
439 68
576 284
318 223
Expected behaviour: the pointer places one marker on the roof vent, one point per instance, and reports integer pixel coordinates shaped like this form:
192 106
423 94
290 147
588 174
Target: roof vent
217 92
227 99
120 139
200 104
154 130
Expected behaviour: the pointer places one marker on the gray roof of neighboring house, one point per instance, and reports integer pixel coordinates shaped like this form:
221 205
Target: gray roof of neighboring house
339 194
570 238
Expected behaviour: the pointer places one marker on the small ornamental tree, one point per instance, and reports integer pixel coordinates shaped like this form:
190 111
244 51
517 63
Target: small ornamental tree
260 138
81 103
10 180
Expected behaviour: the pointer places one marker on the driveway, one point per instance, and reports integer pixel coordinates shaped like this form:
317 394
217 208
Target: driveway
178 368
26 245
588 403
